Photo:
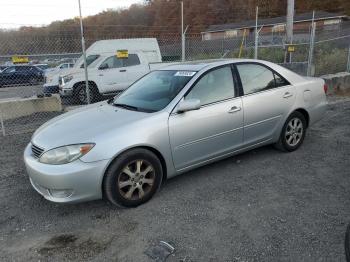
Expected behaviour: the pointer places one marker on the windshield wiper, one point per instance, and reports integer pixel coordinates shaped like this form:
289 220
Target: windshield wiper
133 108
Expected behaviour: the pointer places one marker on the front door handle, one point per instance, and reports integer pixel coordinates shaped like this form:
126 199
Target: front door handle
234 109
287 94
100 75
122 71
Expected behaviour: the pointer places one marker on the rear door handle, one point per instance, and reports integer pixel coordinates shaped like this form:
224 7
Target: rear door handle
287 94
122 71
234 109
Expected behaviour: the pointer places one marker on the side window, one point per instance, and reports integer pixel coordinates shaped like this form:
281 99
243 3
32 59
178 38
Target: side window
255 78
9 70
280 81
132 60
89 60
64 66
112 62
215 86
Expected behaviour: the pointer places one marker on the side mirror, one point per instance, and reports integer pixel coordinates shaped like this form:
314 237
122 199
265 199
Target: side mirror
188 105
103 67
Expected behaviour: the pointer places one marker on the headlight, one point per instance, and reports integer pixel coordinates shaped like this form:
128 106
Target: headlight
67 78
48 79
65 154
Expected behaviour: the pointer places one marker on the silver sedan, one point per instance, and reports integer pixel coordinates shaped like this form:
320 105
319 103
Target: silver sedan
168 122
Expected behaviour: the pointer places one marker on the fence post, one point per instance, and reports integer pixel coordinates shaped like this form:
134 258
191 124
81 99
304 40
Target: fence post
312 43
256 34
2 125
348 64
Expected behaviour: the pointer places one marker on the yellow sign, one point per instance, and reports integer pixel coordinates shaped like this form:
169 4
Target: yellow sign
291 48
20 59
123 54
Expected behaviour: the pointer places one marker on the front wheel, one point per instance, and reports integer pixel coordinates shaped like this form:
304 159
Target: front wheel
133 178
293 133
81 96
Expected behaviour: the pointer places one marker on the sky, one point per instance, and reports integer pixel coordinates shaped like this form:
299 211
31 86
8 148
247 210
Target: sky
16 13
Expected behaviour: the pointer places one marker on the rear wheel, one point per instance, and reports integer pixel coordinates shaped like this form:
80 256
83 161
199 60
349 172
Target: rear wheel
133 178
293 133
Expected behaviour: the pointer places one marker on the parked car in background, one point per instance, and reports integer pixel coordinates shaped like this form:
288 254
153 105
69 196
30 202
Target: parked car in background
42 66
108 73
168 122
51 82
21 74
2 68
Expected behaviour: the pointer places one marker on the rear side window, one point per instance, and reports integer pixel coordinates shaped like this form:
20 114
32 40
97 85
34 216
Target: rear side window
280 81
257 78
132 60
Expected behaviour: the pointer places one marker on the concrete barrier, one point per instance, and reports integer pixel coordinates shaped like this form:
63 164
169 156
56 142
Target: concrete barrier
17 107
338 84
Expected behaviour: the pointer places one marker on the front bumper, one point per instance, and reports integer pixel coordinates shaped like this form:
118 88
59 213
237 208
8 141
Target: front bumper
50 89
81 181
66 89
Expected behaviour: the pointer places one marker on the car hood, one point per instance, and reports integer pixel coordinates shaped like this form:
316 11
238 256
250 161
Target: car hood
84 125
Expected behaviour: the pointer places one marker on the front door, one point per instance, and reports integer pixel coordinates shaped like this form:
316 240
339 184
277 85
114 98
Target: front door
213 130
112 75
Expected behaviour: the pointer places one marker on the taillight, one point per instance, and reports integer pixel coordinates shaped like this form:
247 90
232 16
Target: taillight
325 88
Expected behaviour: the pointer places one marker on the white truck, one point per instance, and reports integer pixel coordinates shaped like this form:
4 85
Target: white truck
52 76
108 73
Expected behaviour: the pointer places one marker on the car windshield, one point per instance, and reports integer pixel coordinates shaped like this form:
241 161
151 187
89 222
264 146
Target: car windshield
154 91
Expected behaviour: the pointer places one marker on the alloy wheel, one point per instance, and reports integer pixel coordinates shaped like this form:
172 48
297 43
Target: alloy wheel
136 180
294 132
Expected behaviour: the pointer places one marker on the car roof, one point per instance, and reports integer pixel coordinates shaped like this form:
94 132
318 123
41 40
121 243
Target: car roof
201 64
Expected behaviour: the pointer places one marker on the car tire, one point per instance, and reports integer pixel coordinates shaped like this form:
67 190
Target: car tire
293 133
347 244
80 94
133 178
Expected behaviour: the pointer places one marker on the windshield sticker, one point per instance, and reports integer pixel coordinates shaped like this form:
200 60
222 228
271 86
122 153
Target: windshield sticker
185 73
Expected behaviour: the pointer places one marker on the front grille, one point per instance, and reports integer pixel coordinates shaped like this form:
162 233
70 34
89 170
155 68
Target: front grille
37 151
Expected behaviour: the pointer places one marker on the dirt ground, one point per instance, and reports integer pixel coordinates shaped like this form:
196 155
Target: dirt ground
263 205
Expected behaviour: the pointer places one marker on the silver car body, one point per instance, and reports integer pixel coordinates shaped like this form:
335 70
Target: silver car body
182 141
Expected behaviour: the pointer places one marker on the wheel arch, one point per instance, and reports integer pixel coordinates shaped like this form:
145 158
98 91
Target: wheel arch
305 113
149 148
83 83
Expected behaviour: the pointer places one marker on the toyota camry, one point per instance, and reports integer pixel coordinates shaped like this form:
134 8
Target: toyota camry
169 122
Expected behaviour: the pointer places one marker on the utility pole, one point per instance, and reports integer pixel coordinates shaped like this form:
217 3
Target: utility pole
183 43
289 29
312 44
87 89
256 33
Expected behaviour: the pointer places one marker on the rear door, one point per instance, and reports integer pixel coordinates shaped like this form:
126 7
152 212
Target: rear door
267 100
135 67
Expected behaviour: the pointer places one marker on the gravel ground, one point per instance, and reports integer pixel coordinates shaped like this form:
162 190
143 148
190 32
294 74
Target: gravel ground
263 205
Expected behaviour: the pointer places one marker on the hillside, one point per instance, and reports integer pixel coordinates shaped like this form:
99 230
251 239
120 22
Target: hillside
159 18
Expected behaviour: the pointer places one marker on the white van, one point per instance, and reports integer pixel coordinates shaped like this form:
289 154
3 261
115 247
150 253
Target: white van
108 73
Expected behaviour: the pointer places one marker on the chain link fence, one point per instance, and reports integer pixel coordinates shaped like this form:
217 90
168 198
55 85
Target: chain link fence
29 92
